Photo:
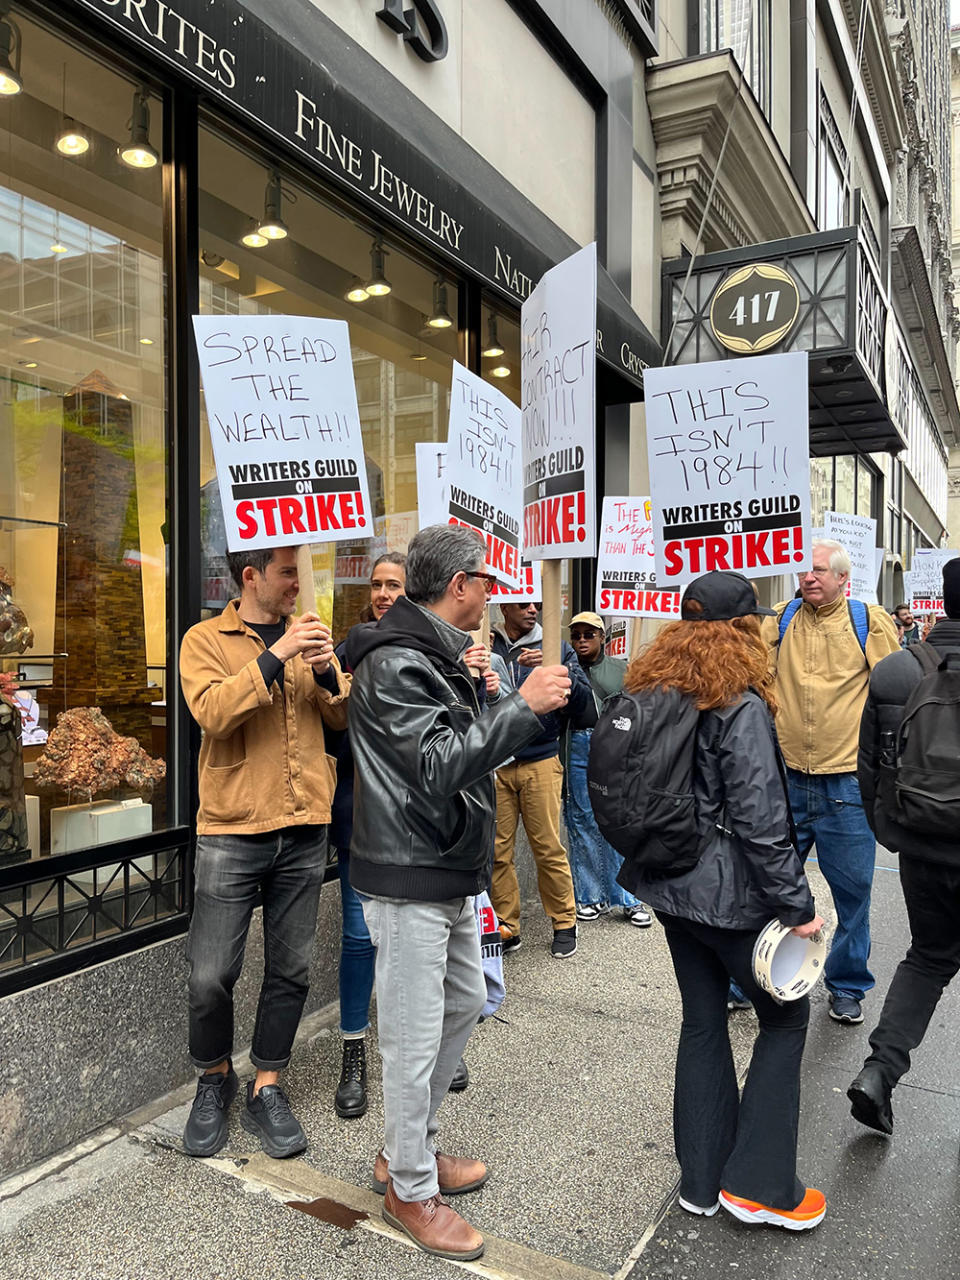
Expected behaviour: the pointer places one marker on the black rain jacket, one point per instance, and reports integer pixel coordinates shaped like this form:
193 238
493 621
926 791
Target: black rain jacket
424 806
749 871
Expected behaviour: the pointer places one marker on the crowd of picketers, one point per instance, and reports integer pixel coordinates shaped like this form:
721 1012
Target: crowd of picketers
414 751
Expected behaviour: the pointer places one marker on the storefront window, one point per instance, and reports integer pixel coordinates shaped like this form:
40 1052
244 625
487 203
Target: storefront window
83 456
865 482
821 489
403 341
845 488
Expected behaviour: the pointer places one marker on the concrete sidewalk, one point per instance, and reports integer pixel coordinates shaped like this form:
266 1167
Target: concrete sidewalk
569 1103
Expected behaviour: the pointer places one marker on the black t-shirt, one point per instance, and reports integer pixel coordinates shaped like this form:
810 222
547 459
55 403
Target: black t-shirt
271 668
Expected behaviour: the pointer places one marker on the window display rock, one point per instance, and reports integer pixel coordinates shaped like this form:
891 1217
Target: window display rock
85 754
16 634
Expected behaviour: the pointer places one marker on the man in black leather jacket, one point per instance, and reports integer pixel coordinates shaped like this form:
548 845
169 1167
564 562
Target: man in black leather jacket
929 876
423 824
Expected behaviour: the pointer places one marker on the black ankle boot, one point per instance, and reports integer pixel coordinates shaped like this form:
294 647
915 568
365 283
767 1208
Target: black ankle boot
351 1099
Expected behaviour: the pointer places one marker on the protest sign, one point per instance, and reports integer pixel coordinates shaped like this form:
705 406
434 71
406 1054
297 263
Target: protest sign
618 638
483 453
558 380
858 537
626 563
926 579
529 590
282 411
729 467
433 491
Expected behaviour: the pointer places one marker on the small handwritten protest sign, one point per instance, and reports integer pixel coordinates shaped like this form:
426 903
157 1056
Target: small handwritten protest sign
483 455
558 393
858 537
626 563
282 411
925 579
729 466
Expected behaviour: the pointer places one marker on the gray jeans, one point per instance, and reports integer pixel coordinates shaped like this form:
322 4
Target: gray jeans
430 993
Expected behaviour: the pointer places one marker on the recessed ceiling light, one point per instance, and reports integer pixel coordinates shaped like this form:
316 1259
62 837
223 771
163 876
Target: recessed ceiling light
146 342
501 371
57 247
28 364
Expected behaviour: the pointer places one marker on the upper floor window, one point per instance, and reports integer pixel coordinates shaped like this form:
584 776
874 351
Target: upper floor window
833 191
742 26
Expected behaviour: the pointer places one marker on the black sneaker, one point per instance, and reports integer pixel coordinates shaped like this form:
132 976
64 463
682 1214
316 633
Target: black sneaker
870 1096
511 942
206 1129
845 1009
350 1101
268 1115
564 943
461 1078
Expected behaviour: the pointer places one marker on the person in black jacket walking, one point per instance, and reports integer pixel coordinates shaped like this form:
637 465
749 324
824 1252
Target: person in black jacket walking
929 877
740 1153
423 820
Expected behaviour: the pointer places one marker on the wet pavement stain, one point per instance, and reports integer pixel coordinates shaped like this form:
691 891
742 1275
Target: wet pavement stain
338 1215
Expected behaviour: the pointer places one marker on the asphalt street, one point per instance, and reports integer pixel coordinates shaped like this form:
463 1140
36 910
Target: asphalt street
570 1104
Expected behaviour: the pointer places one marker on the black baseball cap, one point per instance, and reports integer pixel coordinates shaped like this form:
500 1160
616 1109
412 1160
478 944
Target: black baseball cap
722 596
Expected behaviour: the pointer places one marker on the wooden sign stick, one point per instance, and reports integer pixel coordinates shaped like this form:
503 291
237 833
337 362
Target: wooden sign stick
550 614
308 595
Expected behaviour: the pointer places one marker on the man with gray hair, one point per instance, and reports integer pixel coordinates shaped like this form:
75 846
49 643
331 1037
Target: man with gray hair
423 826
822 650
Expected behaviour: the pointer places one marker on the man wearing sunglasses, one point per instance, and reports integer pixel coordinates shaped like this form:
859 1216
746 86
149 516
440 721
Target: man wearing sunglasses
423 825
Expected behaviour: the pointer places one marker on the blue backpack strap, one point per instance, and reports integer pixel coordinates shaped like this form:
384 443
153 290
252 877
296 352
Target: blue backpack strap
787 617
860 621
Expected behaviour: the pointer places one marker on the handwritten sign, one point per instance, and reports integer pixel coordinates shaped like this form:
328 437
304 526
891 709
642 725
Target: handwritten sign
433 489
483 454
626 563
729 467
282 410
858 537
925 580
558 394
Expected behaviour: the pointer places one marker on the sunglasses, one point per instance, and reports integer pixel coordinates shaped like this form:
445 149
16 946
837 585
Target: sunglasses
488 579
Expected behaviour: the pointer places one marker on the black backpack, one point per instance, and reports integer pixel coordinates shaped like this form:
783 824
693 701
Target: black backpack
925 761
640 778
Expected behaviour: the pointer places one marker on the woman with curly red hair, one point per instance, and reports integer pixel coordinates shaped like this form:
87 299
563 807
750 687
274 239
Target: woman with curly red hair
740 1153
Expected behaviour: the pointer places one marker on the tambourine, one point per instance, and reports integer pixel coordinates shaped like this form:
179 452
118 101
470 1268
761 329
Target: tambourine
785 966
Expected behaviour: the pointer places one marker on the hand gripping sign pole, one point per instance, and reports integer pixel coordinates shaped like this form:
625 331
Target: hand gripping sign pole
558 398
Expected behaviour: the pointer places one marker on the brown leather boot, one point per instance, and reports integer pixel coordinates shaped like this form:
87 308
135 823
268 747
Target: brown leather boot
434 1226
455 1174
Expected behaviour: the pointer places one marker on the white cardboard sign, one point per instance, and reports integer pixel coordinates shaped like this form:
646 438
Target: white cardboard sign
483 452
925 580
558 365
626 563
858 537
282 411
729 468
433 489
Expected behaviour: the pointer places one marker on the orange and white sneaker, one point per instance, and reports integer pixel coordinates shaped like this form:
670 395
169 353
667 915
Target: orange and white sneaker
808 1213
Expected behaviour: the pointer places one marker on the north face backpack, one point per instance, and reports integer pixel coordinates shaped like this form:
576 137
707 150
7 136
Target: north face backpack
640 779
927 754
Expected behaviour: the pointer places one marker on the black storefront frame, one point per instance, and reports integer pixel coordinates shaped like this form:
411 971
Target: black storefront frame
185 111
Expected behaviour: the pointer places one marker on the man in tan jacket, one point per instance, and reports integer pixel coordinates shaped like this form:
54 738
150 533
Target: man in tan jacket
822 664
261 684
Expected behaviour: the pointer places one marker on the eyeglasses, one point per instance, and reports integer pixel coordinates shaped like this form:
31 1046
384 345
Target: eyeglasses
488 579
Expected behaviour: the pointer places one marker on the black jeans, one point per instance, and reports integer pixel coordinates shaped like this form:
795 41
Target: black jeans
748 1145
287 866
932 895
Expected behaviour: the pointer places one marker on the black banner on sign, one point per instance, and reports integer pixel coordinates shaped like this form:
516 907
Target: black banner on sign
552 486
275 488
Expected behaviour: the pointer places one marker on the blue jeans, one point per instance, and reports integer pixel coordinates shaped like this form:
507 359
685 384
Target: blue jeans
287 867
593 862
357 956
828 811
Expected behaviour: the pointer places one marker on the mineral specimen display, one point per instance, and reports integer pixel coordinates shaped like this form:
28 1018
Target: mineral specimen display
84 753
16 634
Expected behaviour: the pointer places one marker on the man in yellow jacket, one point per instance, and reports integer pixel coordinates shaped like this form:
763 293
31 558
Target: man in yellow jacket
261 684
822 662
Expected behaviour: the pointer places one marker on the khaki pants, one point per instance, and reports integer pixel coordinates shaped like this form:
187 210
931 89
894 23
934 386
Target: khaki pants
530 789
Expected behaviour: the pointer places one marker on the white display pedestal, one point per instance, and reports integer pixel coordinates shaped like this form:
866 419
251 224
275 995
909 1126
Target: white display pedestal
83 826
33 825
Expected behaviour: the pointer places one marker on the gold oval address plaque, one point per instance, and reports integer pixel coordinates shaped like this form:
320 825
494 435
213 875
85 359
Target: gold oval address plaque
754 308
